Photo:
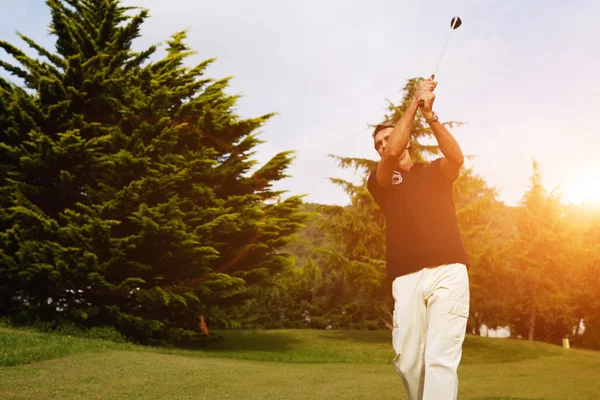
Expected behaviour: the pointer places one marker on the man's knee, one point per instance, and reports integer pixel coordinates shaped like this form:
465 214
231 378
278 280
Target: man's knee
408 367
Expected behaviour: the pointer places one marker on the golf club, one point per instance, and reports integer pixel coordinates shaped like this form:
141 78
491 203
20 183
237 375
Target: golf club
454 24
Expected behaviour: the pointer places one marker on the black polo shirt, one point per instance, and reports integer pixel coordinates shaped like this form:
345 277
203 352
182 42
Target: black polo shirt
421 225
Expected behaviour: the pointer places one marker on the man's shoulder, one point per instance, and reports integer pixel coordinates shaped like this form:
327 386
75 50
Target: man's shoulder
433 164
432 167
372 179
436 175
373 170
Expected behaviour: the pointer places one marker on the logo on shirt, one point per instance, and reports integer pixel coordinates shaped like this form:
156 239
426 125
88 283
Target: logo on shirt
396 178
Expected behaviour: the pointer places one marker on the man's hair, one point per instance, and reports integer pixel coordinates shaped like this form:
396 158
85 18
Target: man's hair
382 126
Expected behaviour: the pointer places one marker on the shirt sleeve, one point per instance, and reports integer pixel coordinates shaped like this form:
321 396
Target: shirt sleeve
436 169
378 192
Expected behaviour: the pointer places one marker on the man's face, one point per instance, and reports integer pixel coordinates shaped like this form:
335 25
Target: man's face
381 141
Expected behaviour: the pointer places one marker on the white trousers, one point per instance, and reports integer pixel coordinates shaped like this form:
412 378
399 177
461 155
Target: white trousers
430 318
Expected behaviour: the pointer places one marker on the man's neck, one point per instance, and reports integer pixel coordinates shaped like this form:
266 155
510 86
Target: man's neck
405 165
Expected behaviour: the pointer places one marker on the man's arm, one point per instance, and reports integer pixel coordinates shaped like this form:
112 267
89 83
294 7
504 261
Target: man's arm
398 140
396 144
453 157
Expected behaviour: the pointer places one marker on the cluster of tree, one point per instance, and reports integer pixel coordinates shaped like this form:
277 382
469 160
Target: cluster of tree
128 196
534 267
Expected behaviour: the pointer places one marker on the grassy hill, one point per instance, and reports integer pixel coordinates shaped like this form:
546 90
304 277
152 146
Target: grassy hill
283 364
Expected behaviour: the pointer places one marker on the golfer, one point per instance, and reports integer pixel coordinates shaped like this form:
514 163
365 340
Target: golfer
425 255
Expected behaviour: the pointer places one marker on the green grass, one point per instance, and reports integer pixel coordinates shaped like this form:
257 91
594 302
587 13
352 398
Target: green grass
286 364
291 346
25 347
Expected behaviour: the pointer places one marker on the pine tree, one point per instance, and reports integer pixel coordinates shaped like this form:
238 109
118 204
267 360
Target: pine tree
584 274
486 229
544 251
587 276
127 195
357 261
420 151
359 231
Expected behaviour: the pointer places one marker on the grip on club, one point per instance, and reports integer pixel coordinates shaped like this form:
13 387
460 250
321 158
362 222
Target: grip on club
421 102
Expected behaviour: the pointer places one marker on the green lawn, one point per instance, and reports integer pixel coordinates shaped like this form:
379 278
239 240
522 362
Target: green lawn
286 364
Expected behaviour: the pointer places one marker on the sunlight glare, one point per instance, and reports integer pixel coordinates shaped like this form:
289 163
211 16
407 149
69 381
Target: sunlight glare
583 190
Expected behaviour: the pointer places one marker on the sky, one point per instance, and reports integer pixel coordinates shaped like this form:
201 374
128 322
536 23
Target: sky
523 76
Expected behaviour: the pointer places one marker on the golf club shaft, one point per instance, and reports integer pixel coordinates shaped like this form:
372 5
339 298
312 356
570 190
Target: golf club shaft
443 51
422 103
454 24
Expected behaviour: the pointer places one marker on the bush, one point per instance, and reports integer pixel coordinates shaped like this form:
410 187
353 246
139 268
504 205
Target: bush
67 328
106 333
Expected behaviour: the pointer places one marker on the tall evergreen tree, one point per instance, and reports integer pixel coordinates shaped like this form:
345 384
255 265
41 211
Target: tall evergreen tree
359 230
420 131
486 228
127 195
587 276
357 261
544 250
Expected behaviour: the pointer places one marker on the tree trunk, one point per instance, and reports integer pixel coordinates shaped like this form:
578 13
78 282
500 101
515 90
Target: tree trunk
477 325
387 323
531 322
531 325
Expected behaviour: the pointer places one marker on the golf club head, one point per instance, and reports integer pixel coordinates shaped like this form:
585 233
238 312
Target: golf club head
455 22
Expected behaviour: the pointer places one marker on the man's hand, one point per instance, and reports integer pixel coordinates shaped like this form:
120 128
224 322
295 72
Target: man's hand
428 84
425 96
428 99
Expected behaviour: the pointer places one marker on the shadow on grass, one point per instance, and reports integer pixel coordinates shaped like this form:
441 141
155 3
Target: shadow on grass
271 341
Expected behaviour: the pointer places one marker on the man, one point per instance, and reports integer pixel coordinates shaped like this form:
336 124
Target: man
425 255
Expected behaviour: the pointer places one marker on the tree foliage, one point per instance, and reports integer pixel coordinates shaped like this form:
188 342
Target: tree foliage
128 195
129 198
533 267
